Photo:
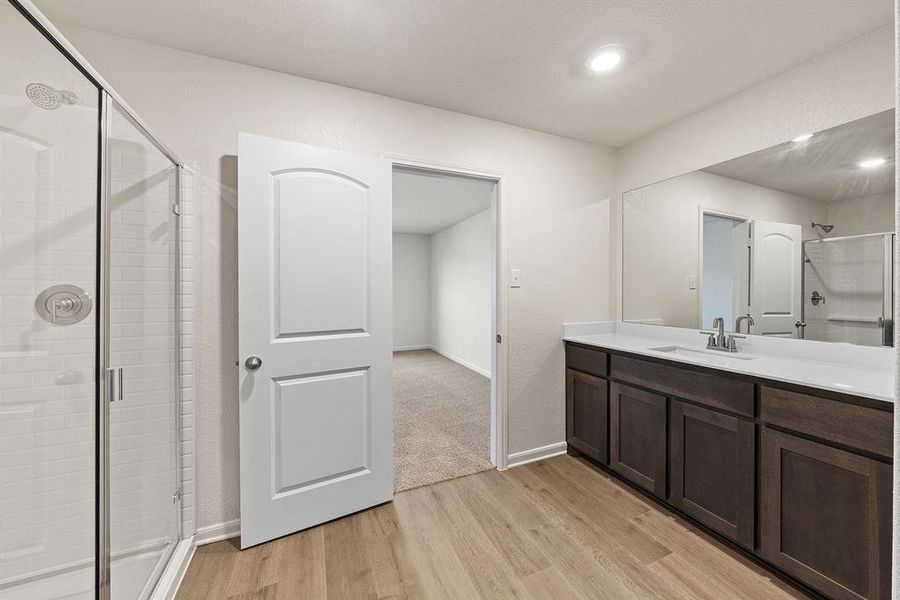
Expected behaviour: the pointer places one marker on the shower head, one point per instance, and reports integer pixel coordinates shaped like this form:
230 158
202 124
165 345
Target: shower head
824 228
48 98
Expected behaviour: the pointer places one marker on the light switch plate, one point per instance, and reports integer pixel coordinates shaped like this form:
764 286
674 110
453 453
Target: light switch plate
515 278
692 282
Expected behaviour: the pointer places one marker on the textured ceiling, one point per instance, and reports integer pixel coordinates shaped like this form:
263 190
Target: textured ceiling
516 61
825 167
428 202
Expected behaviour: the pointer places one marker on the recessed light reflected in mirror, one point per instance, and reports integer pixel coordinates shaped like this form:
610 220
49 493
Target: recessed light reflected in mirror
871 163
803 137
606 60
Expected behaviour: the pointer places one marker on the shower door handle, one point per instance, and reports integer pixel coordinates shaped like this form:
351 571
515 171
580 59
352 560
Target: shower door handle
114 387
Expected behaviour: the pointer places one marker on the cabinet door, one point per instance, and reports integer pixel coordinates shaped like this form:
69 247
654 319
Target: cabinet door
587 410
826 516
637 425
711 469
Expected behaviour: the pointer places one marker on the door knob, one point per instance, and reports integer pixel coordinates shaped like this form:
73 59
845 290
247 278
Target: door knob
253 363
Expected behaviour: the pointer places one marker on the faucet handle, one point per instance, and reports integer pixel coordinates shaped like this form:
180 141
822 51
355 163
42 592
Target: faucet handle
711 340
731 344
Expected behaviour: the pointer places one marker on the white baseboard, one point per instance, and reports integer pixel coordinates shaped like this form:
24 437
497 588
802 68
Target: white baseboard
172 576
466 364
217 532
407 348
517 459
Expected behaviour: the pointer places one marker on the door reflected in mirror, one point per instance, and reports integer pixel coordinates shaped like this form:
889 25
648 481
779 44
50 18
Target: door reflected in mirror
792 241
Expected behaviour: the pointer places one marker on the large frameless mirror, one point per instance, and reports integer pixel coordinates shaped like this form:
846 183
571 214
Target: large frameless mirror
794 241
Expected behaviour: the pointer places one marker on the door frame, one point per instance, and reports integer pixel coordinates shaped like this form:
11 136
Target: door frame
499 294
722 215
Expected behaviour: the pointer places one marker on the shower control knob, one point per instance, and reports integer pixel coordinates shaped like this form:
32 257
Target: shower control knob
253 363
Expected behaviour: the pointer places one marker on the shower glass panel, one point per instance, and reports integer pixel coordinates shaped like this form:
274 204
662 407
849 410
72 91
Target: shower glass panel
143 526
49 118
848 289
89 390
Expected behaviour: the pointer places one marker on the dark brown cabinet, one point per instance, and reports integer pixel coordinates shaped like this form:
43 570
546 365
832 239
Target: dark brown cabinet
587 414
825 516
637 426
587 360
864 428
798 477
714 391
711 469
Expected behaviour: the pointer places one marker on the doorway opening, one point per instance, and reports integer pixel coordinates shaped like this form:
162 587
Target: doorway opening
725 267
750 272
445 241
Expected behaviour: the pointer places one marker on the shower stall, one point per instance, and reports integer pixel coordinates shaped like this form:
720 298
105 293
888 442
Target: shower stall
848 289
90 495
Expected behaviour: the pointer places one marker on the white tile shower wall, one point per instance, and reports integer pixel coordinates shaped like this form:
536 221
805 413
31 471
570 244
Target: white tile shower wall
850 274
47 236
187 266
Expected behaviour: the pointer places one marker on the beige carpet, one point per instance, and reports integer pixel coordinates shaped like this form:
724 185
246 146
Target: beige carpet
442 419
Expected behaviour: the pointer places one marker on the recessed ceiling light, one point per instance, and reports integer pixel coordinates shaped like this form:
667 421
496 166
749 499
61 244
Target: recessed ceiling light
606 60
871 163
803 137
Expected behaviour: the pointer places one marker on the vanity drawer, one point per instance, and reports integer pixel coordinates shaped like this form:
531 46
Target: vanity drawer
587 360
861 427
712 390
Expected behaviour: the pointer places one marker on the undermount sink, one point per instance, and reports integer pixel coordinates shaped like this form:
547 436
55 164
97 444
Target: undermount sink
700 352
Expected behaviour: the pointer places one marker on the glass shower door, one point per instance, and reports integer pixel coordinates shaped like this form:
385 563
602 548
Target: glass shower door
49 118
142 358
848 289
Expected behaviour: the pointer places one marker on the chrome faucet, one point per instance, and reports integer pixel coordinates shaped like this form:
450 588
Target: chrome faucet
719 323
741 319
717 340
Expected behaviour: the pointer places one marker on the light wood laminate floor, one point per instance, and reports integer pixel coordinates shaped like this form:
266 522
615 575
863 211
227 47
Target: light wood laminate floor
556 529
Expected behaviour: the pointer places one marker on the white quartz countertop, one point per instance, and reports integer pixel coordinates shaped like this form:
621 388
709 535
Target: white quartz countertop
848 369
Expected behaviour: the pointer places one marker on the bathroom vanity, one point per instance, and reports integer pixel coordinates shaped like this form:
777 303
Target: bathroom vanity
749 446
775 430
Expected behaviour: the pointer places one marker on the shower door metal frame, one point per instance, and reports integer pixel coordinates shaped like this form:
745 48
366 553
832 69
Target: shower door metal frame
108 95
102 557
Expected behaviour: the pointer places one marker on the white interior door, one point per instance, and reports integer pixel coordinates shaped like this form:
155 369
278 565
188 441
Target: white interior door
316 415
740 254
775 278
